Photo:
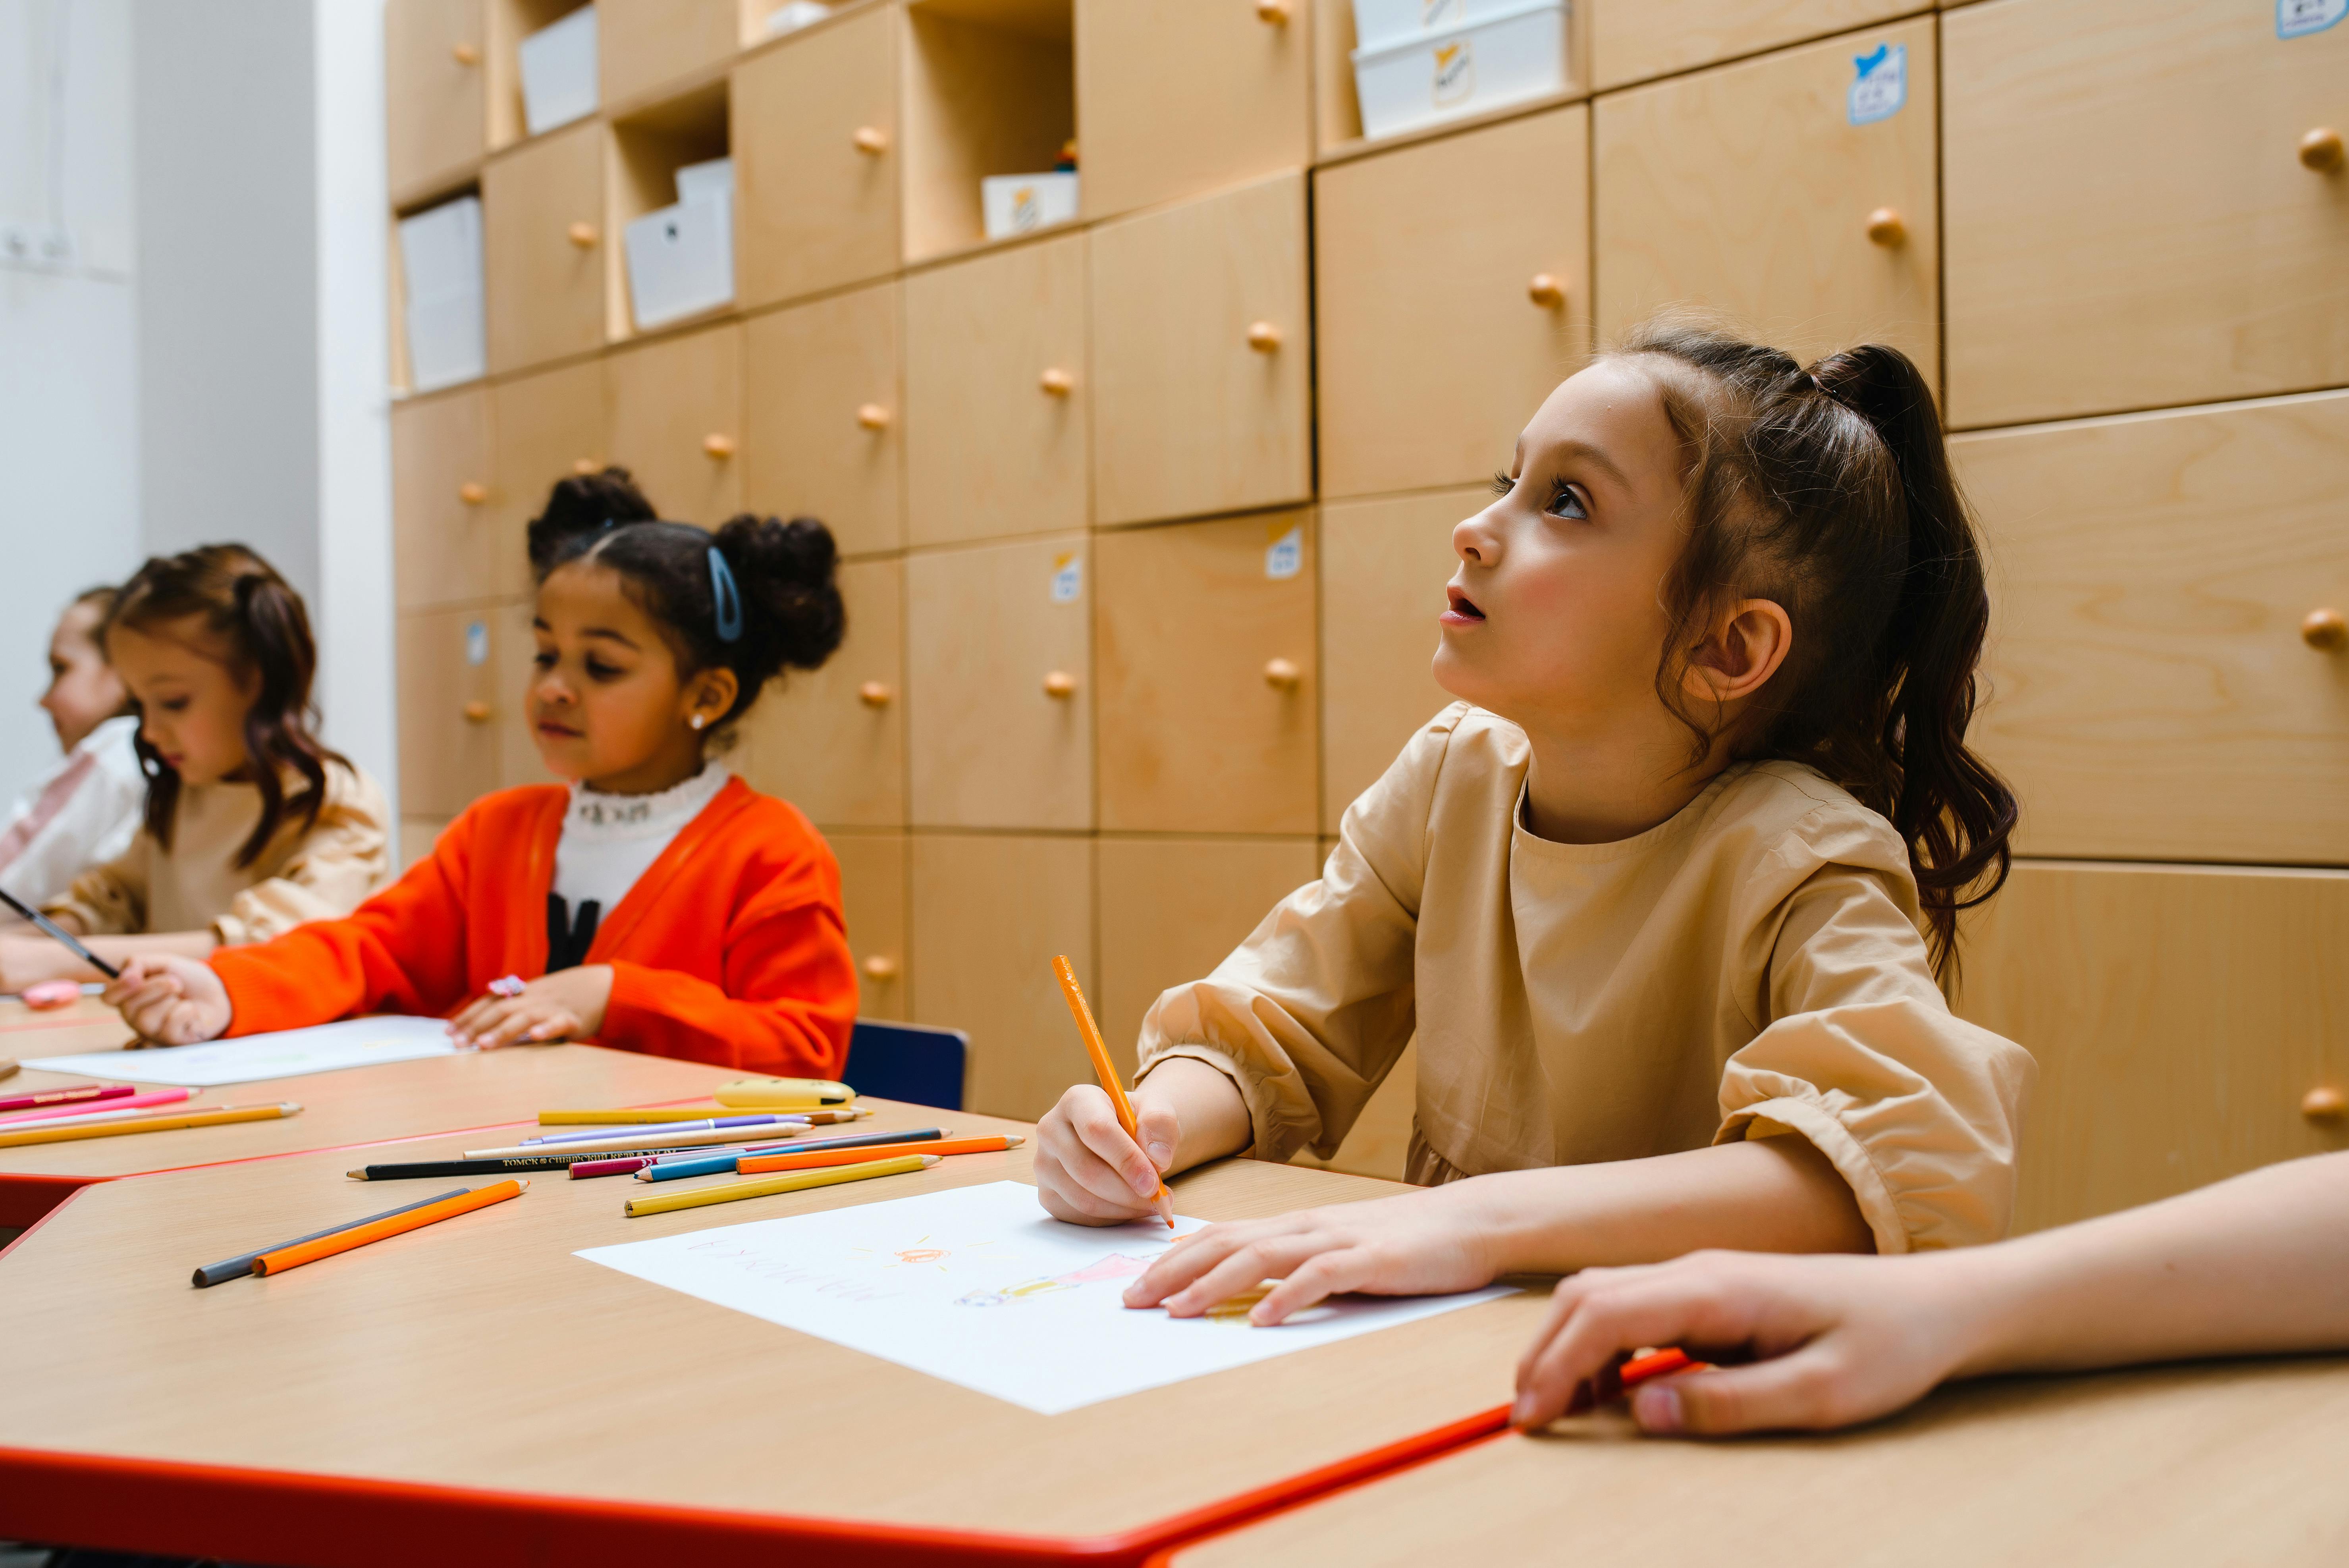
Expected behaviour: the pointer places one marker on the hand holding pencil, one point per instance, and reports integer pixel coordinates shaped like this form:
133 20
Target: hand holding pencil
1098 1139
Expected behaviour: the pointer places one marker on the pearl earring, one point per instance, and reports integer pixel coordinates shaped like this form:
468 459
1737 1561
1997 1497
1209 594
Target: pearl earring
699 721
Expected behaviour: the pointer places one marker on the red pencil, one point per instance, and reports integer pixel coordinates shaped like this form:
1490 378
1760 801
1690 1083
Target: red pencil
113 1106
62 1095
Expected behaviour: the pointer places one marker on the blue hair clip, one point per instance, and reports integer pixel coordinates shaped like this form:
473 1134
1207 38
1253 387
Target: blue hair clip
728 597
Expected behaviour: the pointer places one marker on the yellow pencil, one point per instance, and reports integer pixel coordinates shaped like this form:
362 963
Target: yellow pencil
148 1124
1104 1069
790 1181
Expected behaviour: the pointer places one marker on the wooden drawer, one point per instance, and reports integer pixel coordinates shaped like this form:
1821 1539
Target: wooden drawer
674 411
443 540
1384 567
515 649
821 400
1747 190
1172 909
1183 96
1202 372
2130 222
1208 679
815 160
873 873
436 104
1432 351
448 707
543 429
996 421
999 668
1634 42
2178 1014
989 914
833 741
2152 695
642 45
543 245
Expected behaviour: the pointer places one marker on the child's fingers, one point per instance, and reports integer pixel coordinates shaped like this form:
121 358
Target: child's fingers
1063 1199
475 1015
1811 1389
1271 1257
517 1021
563 1024
1062 1139
1314 1281
1095 1123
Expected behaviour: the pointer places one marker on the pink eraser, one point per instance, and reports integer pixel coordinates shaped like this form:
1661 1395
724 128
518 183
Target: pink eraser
50 994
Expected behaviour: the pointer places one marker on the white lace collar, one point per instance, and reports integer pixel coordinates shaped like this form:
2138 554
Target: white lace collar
594 815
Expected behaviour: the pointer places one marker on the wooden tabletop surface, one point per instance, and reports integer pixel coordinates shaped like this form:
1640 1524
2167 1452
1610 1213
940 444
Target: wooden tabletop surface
2237 1462
479 1353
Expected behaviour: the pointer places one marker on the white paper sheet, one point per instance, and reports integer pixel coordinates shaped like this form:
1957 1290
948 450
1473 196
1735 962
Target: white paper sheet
288 1053
979 1286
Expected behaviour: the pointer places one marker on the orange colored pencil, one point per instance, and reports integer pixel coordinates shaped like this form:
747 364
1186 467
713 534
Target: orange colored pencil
294 1256
1106 1072
752 1164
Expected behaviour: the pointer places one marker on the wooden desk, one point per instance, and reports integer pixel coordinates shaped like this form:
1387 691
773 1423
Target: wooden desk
472 1393
2222 1463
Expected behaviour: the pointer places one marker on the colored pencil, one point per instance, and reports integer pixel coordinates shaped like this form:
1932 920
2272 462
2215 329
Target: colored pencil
150 1124
74 1096
98 1109
781 1094
8 1065
675 1169
360 1236
50 928
668 1140
404 1171
763 1186
1656 1364
241 1265
1107 1072
683 1113
670 1129
789 1159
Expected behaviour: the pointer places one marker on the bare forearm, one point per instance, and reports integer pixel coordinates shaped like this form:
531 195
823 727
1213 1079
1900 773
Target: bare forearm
1773 1194
198 944
1213 1117
2257 1264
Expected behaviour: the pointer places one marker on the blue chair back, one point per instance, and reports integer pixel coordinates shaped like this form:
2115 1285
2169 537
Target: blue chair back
910 1062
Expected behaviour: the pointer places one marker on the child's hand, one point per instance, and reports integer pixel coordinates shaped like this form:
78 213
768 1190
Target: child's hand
567 1004
1834 1339
1421 1243
171 1000
1088 1171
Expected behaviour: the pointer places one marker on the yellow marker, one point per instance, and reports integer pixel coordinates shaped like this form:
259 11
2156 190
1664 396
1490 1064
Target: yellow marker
213 1117
783 1094
791 1182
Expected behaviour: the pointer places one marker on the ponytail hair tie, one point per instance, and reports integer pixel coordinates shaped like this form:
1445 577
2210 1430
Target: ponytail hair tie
727 596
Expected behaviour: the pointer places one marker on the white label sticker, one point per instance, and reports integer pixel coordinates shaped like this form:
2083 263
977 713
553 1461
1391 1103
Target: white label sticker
1067 577
477 643
2298 19
1455 72
1880 86
1285 557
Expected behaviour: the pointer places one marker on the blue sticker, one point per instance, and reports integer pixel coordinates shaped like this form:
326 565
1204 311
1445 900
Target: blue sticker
2298 19
1881 85
477 643
1067 577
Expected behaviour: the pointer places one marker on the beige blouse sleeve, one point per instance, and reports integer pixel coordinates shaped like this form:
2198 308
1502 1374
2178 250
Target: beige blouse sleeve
1919 1110
344 857
1309 1013
110 899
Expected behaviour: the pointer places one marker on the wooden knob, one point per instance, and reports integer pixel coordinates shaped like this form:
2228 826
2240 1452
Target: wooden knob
1282 675
584 466
581 235
472 492
1274 13
1060 685
880 966
1886 229
872 416
2325 631
1263 336
2325 1104
1057 382
2321 150
871 141
1545 291
718 446
477 712
465 54
873 694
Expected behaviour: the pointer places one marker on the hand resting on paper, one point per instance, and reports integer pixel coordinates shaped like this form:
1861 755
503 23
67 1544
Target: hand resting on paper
567 1004
171 1000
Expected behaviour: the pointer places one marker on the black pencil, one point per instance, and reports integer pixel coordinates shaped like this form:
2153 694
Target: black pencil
238 1267
507 1164
62 934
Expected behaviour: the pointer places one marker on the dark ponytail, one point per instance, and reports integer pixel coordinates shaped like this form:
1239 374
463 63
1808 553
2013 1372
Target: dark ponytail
582 503
1828 490
259 624
791 614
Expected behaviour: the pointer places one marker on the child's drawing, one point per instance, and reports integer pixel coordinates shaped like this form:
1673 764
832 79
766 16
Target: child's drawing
1117 1266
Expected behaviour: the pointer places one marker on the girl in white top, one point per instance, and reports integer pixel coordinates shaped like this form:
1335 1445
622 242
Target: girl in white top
85 811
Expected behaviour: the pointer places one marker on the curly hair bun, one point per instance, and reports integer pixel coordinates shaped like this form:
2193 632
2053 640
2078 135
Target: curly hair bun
580 506
786 570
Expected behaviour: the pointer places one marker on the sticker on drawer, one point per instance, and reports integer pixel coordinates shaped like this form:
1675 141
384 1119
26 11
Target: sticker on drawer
2298 19
1067 577
1880 85
1284 558
1455 72
477 643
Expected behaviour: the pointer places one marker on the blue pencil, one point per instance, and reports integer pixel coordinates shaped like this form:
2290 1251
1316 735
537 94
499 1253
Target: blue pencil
717 1164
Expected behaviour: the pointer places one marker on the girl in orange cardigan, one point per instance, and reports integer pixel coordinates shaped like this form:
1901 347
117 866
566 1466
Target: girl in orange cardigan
658 902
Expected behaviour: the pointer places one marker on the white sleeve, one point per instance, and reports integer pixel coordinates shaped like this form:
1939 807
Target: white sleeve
85 812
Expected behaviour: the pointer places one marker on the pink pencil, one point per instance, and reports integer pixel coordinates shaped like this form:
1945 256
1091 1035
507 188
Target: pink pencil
82 1095
94 1109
